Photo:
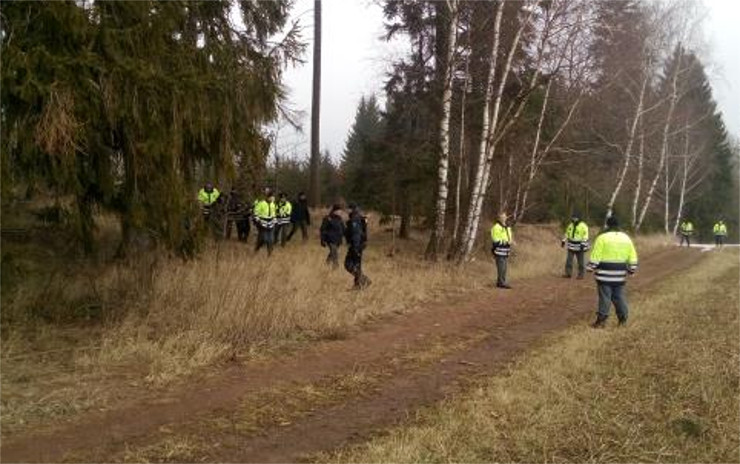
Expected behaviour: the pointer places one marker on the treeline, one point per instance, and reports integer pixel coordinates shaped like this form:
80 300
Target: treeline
534 107
538 108
126 106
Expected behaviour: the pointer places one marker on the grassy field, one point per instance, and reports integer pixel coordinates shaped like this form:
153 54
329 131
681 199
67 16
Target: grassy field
86 334
663 389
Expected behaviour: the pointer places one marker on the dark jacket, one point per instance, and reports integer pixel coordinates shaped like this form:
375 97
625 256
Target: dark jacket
332 229
356 231
300 212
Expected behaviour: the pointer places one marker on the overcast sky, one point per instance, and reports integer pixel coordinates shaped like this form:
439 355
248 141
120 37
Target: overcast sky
355 62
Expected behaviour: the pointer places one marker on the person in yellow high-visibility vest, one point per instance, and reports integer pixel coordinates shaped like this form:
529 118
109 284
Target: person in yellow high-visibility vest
208 196
687 230
720 232
576 243
264 216
612 258
284 210
502 239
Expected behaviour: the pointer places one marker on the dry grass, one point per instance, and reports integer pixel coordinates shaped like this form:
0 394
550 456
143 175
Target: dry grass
665 389
165 319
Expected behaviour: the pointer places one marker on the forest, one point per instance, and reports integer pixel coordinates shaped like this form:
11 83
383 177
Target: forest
537 108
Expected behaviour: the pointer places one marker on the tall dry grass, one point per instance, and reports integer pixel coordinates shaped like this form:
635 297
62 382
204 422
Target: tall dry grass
157 320
664 389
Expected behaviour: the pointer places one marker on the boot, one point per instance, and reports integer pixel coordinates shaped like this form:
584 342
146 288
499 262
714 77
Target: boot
599 323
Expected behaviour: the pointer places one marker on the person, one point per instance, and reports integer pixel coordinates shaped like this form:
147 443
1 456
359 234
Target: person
355 233
576 243
332 232
284 209
237 213
501 237
687 230
612 258
720 232
300 217
264 216
208 196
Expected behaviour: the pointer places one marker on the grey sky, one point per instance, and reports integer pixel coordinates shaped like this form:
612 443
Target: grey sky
355 61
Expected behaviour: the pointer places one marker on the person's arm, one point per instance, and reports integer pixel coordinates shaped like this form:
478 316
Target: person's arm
593 262
632 260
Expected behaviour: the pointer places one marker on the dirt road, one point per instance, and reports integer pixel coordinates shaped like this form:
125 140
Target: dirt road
419 357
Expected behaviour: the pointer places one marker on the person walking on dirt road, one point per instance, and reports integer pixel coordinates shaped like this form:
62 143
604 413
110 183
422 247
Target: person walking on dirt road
720 232
612 258
356 235
576 243
502 238
687 230
332 233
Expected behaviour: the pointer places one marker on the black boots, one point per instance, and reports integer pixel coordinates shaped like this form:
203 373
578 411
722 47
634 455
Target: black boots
600 322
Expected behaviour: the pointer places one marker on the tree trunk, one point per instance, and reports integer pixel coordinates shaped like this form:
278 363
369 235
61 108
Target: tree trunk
446 76
662 164
628 148
640 164
461 158
684 179
488 132
314 190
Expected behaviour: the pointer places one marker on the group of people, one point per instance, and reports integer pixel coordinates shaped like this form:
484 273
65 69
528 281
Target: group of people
612 258
719 230
272 217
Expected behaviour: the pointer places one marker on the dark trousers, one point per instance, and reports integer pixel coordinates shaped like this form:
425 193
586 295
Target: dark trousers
353 265
719 240
242 229
501 267
687 238
265 237
304 229
281 234
569 263
333 256
612 293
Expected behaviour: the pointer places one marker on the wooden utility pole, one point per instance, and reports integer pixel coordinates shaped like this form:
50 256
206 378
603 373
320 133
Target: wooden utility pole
314 189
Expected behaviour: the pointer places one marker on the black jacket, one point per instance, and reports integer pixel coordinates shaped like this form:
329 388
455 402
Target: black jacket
300 212
356 231
332 229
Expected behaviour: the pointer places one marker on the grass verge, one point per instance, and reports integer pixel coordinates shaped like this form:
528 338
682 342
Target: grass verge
664 389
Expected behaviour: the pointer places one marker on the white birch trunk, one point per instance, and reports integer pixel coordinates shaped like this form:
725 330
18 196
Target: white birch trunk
662 164
638 187
485 124
487 143
684 179
444 132
628 148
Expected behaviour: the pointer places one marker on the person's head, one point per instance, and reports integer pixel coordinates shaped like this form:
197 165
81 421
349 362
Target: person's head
208 187
352 206
612 222
268 193
575 217
502 217
301 196
282 196
335 208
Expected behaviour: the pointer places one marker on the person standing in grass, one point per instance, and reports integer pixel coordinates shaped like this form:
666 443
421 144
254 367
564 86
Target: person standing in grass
720 232
687 230
265 218
284 209
612 258
502 238
356 235
332 232
300 217
208 196
576 242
